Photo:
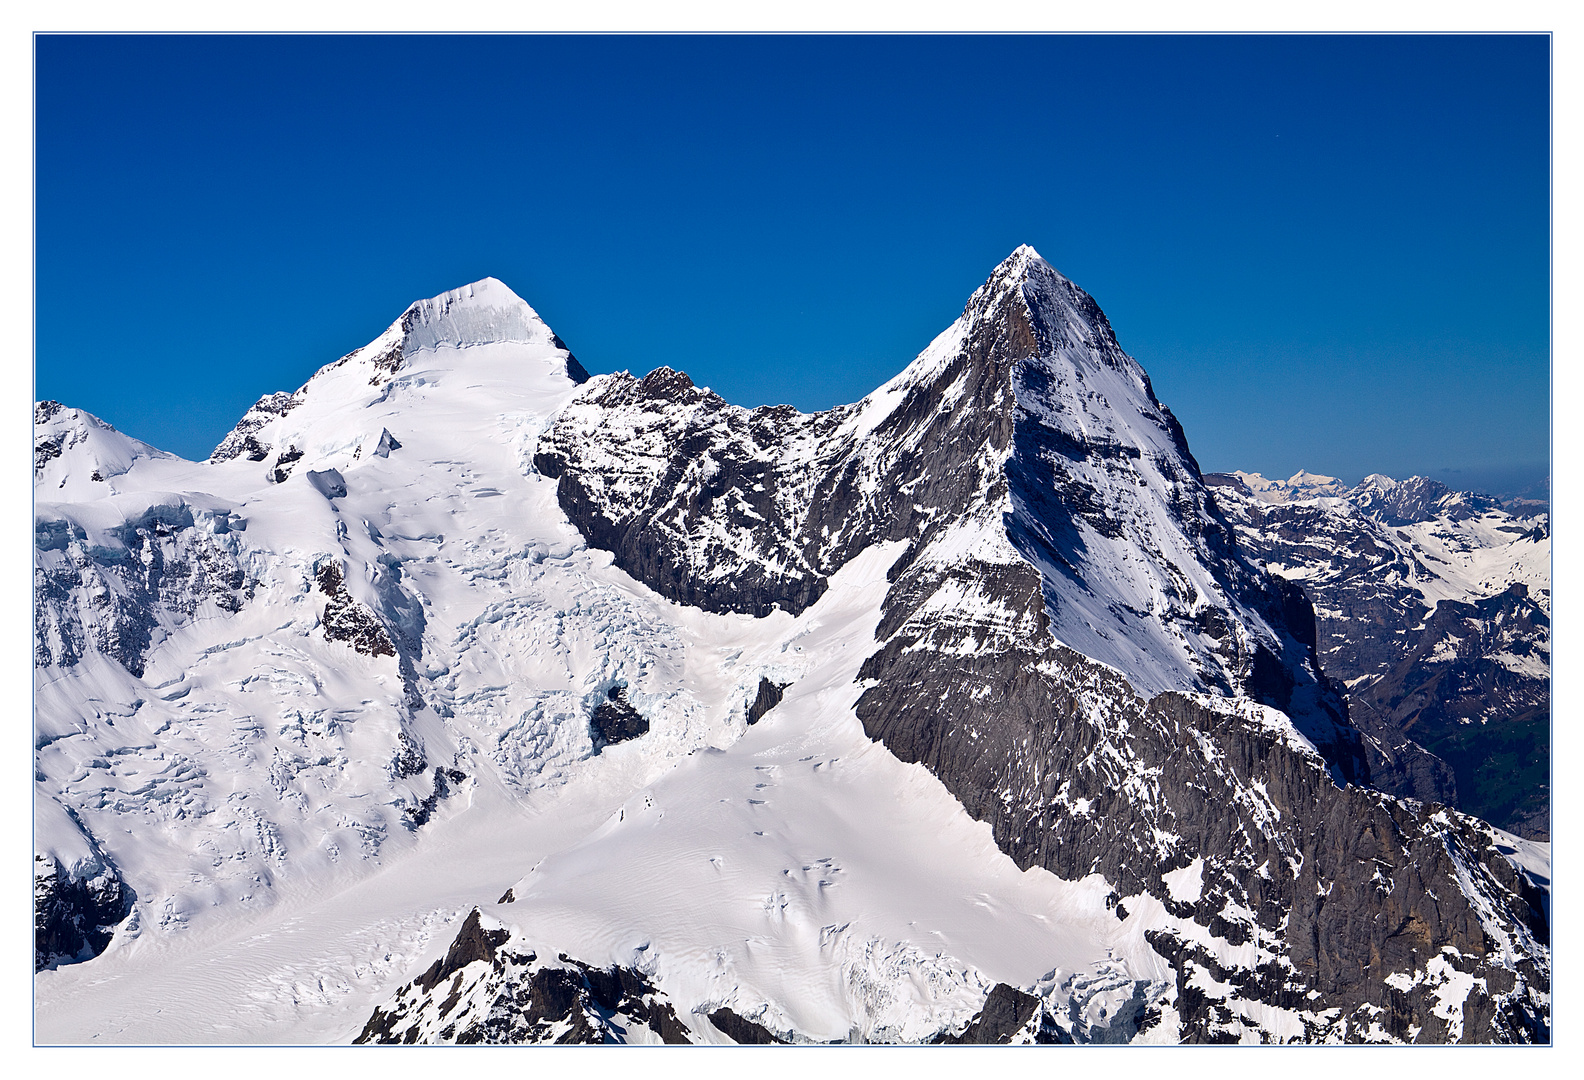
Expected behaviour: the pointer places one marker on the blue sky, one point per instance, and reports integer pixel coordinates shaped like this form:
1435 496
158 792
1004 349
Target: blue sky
1329 253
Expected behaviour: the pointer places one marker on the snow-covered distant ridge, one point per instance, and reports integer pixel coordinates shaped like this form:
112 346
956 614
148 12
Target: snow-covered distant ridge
1391 501
1455 545
1301 485
76 454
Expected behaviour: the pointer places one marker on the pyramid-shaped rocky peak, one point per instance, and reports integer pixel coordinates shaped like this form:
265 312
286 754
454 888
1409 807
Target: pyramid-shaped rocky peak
1038 489
1057 318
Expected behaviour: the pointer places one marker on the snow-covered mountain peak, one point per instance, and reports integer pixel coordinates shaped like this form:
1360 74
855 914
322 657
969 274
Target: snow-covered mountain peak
1023 272
1301 485
1378 482
1306 479
1027 314
1023 261
481 339
76 454
483 313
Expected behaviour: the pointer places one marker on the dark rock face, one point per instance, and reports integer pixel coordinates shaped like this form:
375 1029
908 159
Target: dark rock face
347 620
473 942
501 996
1490 724
242 440
614 720
769 697
741 1030
418 816
574 370
1454 703
758 563
283 464
74 918
1027 429
1008 1015
1339 887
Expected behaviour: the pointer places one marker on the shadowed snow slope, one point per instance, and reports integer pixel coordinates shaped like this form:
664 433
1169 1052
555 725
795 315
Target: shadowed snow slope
305 705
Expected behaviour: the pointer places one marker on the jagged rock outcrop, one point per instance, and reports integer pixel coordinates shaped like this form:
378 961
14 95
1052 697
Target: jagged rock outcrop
75 915
500 996
347 620
242 440
419 815
741 1030
79 894
1009 1016
767 698
614 720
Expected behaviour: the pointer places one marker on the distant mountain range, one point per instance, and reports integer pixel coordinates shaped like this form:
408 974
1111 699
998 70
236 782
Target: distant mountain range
1434 612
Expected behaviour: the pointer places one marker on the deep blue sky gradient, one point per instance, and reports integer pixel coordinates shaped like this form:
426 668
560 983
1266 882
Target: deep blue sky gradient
1329 253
